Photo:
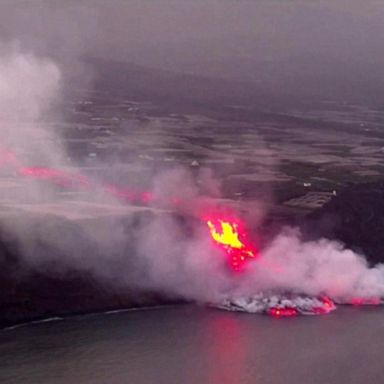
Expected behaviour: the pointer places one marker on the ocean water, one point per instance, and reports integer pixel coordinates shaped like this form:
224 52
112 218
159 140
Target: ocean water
188 344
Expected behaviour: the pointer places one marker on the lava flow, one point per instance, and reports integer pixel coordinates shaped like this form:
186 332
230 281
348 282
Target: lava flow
232 238
60 178
282 312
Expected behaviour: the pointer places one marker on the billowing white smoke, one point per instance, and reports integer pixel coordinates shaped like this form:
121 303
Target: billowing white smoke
287 265
164 258
314 268
29 87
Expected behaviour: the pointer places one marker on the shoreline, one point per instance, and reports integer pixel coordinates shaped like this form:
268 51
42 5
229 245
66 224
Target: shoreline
56 318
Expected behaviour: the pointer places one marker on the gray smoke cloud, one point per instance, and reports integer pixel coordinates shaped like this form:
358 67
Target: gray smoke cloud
165 257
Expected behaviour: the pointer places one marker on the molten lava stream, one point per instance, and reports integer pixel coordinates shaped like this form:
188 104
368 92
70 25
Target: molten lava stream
367 301
59 178
282 312
230 236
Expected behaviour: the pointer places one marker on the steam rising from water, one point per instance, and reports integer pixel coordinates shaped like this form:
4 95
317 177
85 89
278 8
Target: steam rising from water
315 268
157 255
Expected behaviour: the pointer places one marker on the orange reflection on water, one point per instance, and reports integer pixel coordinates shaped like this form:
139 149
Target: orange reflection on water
226 349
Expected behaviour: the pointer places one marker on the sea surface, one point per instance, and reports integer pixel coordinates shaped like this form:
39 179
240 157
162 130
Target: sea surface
188 344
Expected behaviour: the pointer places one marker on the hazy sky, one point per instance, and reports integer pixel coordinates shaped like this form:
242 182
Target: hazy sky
249 40
117 27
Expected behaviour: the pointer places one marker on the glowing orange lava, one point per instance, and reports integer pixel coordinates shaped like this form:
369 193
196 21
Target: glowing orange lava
327 306
365 301
60 178
229 236
282 312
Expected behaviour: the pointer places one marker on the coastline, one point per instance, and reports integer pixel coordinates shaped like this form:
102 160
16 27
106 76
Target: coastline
86 314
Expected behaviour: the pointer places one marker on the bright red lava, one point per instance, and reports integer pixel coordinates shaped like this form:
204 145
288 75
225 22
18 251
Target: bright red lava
282 312
327 306
232 238
368 301
59 178
68 180
128 194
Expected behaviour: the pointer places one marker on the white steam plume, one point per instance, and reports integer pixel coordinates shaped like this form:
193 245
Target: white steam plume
29 87
321 267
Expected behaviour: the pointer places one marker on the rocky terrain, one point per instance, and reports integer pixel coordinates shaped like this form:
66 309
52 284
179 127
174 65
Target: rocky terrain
355 217
46 287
